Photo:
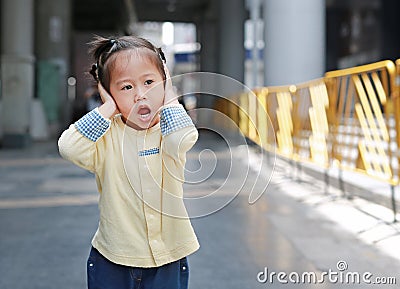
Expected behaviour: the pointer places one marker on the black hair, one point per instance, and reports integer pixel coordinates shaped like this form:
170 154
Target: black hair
101 49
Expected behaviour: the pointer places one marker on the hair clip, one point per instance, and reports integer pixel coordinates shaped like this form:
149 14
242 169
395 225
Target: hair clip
162 56
93 72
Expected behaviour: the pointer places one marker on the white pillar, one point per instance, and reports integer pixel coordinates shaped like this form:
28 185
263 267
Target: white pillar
294 41
255 7
17 70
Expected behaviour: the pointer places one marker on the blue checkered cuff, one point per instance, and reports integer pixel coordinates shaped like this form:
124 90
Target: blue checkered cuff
149 152
173 118
93 125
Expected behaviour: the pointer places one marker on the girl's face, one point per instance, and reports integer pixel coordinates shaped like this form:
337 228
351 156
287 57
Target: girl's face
137 88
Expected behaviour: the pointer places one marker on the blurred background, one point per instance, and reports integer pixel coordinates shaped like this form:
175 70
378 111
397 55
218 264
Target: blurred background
257 42
326 166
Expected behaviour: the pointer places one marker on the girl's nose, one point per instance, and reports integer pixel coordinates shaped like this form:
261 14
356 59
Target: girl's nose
139 94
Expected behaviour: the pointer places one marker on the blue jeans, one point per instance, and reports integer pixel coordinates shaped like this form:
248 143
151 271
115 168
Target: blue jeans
104 274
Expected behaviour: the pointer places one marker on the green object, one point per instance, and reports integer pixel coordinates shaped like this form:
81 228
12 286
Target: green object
48 87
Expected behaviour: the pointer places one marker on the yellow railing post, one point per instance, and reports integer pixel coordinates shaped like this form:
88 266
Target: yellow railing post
351 118
311 128
361 117
263 120
396 108
278 106
243 114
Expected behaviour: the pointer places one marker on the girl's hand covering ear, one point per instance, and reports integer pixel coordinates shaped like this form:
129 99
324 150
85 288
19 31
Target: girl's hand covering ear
109 108
170 94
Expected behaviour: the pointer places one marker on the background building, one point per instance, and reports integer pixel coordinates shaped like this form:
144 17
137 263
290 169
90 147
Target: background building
44 44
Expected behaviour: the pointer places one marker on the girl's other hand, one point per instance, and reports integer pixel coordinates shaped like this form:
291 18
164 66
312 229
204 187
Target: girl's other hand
109 108
170 94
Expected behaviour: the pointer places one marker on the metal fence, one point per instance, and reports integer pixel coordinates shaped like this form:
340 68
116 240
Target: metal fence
349 119
362 120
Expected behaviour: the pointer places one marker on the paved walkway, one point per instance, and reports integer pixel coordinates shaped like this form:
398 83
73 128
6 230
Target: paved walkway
48 215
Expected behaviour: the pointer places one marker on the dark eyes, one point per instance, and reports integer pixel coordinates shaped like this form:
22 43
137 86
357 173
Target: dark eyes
127 87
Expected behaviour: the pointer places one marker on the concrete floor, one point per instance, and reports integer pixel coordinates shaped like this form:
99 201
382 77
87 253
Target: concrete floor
48 214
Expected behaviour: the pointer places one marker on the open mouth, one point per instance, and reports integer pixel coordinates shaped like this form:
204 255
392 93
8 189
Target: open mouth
144 113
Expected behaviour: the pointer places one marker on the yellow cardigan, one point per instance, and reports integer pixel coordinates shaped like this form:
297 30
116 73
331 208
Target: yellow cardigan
139 175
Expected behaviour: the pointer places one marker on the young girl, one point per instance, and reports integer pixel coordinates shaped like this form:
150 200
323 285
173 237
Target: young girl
135 143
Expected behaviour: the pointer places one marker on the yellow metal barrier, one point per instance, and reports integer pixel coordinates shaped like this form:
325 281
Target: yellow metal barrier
230 107
351 118
397 91
244 120
396 105
396 98
310 123
274 108
289 120
362 119
347 118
